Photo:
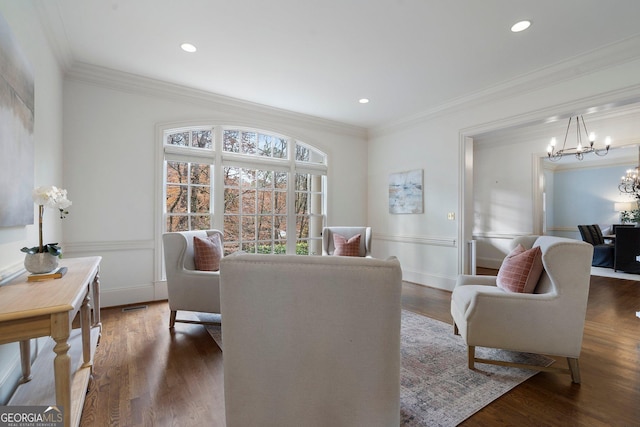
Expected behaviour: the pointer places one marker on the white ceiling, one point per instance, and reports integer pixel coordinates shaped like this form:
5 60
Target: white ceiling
320 57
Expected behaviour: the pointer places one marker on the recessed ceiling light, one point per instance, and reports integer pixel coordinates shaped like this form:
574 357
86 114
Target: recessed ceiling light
363 101
188 47
520 26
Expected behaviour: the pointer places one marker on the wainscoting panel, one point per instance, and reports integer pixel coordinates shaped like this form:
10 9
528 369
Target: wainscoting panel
491 248
425 260
421 240
421 278
126 271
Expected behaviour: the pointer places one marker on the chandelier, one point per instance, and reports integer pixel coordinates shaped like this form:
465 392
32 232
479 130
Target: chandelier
579 150
630 183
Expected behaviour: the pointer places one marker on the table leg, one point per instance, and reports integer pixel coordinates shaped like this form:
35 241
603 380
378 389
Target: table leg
25 360
96 304
61 329
85 328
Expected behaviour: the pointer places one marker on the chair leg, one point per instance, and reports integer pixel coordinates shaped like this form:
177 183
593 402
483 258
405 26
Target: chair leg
575 369
472 356
172 319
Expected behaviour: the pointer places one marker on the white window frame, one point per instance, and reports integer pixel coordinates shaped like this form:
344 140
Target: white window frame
218 160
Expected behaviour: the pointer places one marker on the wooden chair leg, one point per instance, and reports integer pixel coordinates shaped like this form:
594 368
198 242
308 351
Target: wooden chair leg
575 369
472 356
172 319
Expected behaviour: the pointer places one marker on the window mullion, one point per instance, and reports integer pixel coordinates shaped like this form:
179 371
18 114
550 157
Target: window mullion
189 195
292 233
217 184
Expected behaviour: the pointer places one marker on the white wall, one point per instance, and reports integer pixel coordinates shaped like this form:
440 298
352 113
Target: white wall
110 148
424 243
48 158
434 141
503 198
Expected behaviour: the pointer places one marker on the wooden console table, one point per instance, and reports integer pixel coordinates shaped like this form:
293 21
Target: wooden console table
47 308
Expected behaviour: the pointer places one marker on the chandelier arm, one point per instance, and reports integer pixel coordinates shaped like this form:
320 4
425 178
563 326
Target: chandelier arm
578 134
566 134
586 132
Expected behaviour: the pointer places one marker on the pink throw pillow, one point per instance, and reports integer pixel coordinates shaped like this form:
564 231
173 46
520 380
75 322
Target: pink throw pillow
520 270
207 252
344 247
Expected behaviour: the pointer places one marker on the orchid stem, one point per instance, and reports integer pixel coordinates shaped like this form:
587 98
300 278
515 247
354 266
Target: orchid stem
40 215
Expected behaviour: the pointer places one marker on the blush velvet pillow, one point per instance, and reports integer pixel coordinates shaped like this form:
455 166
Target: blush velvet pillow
207 252
520 270
344 247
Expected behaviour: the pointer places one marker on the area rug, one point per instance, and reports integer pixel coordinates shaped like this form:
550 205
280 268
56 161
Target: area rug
437 388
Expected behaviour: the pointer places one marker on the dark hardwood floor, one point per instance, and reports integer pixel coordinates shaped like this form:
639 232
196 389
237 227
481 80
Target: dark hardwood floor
147 375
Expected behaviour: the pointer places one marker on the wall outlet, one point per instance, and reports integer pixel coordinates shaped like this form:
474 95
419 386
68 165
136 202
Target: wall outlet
451 216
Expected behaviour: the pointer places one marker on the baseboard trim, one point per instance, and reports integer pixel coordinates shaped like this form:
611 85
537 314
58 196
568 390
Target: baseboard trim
132 295
433 281
11 374
489 263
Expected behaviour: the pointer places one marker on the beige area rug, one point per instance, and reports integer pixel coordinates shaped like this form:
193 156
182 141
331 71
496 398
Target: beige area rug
437 388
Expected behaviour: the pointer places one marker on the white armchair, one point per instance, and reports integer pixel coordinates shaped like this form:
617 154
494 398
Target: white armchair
549 321
188 288
347 232
310 340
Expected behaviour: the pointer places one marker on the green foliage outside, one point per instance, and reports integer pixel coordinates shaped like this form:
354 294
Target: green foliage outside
302 248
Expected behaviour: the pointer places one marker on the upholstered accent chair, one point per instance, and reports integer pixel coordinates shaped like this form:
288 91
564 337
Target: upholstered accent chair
603 253
549 321
189 289
311 340
328 247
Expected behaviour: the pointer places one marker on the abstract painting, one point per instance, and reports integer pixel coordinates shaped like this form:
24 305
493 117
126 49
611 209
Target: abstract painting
405 192
16 133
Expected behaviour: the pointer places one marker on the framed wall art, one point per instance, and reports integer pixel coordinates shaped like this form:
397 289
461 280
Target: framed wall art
16 133
405 192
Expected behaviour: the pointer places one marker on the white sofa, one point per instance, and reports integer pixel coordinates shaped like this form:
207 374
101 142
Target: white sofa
311 341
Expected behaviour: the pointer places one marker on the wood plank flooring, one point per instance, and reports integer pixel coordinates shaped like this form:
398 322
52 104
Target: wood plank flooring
147 375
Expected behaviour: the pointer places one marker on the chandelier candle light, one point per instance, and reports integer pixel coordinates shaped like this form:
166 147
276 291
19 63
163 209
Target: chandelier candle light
630 183
44 258
579 150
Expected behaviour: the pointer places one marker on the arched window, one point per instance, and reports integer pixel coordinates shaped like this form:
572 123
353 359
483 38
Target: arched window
265 191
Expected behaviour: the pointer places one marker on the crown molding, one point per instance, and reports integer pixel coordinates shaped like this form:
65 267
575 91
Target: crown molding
600 59
556 167
502 133
137 84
